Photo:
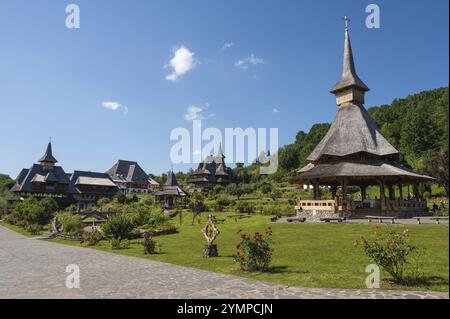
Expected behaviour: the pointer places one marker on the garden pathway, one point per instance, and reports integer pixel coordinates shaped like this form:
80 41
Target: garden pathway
31 268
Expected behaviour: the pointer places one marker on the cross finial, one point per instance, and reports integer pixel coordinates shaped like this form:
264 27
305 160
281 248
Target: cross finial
346 22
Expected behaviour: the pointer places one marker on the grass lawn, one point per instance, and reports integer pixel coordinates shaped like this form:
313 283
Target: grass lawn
19 230
305 255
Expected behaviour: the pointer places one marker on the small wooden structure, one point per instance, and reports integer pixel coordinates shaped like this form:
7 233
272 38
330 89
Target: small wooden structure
171 192
355 153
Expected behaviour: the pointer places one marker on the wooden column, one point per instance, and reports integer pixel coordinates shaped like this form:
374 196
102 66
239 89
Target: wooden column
316 190
344 188
382 197
416 191
363 192
400 188
333 191
391 191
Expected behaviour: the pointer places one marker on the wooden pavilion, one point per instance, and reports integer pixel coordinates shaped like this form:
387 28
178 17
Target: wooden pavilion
171 192
354 153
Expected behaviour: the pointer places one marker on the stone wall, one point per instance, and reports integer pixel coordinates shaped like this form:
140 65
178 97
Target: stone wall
316 215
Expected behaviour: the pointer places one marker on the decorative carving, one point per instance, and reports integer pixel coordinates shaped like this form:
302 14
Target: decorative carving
210 231
56 226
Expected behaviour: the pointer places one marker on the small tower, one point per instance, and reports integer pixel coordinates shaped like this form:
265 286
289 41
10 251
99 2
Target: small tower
48 161
350 88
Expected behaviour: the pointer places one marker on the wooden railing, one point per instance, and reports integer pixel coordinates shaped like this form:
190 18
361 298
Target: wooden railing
348 205
337 205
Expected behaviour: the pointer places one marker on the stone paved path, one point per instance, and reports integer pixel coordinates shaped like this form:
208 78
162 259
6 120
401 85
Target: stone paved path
31 268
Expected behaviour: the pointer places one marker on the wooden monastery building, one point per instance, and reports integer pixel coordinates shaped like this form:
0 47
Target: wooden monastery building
131 178
81 188
211 172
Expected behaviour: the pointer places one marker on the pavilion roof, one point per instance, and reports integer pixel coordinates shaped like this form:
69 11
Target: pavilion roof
355 170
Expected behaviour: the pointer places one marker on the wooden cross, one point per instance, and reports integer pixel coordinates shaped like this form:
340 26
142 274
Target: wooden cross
346 22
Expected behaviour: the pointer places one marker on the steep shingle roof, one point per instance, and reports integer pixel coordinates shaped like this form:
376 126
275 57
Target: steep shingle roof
48 156
349 78
128 171
351 132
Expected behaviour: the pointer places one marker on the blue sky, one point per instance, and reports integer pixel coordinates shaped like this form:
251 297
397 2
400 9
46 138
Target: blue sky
53 80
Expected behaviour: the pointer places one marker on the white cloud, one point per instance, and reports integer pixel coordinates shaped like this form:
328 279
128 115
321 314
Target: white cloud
227 46
114 106
198 113
182 62
194 113
276 110
252 59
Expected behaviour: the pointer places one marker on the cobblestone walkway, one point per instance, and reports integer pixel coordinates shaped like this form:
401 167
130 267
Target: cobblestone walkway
31 268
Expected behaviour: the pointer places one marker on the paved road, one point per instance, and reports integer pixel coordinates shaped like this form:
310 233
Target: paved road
30 268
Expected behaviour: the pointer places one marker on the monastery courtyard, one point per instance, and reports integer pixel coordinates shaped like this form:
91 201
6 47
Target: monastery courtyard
34 268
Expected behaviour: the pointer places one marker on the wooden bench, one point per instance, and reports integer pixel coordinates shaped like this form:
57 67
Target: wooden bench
332 219
239 216
436 219
381 218
299 220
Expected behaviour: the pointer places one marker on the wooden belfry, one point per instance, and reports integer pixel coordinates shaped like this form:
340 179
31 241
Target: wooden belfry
355 153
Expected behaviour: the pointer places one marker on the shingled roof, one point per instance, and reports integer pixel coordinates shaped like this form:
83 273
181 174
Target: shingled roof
39 174
128 171
48 156
88 182
352 131
171 187
349 78
358 169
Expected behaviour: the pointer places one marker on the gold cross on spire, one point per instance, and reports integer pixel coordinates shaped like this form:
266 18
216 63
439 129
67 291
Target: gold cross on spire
346 22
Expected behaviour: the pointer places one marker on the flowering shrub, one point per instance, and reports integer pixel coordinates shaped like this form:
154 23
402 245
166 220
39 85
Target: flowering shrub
254 253
391 250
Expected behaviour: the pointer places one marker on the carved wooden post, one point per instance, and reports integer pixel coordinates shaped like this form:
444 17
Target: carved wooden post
210 232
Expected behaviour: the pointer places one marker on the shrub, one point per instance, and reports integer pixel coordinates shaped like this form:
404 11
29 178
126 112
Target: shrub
392 251
33 211
33 229
103 201
149 244
118 228
197 203
254 253
244 207
221 202
119 244
92 238
71 223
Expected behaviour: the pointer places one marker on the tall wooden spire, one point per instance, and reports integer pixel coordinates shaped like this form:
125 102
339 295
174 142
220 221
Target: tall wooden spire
349 88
